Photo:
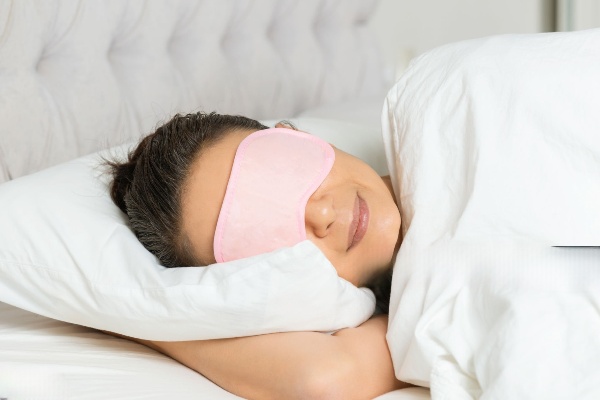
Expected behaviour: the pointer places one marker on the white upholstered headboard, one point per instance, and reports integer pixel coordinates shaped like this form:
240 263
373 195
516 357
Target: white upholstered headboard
80 75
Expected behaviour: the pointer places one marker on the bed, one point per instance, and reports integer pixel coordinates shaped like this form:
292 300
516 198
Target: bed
492 144
80 76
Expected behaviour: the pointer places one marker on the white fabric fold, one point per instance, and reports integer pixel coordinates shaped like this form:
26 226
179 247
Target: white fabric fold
494 146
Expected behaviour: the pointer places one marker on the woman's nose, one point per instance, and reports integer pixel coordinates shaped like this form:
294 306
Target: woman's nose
320 214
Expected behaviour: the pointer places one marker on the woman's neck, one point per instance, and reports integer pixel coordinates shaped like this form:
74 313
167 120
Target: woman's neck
388 183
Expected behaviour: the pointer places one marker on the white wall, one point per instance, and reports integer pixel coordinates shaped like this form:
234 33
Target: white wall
578 14
407 28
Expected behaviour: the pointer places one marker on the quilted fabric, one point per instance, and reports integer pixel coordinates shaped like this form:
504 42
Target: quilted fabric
77 75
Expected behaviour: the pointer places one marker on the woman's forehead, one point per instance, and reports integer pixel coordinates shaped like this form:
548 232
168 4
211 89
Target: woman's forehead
204 191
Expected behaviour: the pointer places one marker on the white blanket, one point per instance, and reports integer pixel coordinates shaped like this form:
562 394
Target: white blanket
494 145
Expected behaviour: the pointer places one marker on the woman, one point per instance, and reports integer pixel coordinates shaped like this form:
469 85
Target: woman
175 187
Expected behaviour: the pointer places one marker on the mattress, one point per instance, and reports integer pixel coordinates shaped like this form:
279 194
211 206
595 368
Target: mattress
45 359
41 358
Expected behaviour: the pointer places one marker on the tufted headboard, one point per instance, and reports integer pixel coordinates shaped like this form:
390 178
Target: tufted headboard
80 75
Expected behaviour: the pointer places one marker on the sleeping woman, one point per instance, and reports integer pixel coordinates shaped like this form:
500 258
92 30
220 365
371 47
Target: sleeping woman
207 188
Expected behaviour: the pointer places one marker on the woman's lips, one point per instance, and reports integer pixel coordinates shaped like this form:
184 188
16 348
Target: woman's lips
360 222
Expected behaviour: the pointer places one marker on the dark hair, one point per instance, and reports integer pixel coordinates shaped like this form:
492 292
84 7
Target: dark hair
149 184
381 285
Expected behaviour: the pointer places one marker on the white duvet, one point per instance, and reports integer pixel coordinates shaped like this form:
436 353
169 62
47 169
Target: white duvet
495 149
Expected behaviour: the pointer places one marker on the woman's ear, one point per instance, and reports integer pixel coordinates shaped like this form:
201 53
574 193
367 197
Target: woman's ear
285 124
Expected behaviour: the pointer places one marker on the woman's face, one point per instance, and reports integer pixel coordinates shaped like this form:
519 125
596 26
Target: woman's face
351 217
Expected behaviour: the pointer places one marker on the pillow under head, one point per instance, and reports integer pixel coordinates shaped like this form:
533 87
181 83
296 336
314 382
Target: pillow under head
67 252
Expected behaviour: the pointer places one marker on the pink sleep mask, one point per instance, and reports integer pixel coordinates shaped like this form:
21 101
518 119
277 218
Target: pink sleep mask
274 173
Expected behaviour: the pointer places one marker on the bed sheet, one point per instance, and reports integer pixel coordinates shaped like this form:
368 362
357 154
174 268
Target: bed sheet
45 359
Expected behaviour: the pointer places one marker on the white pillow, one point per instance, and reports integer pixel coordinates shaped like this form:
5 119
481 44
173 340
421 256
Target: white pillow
363 112
499 137
66 252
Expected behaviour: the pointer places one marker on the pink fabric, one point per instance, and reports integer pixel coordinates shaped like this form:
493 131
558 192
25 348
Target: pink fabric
275 171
